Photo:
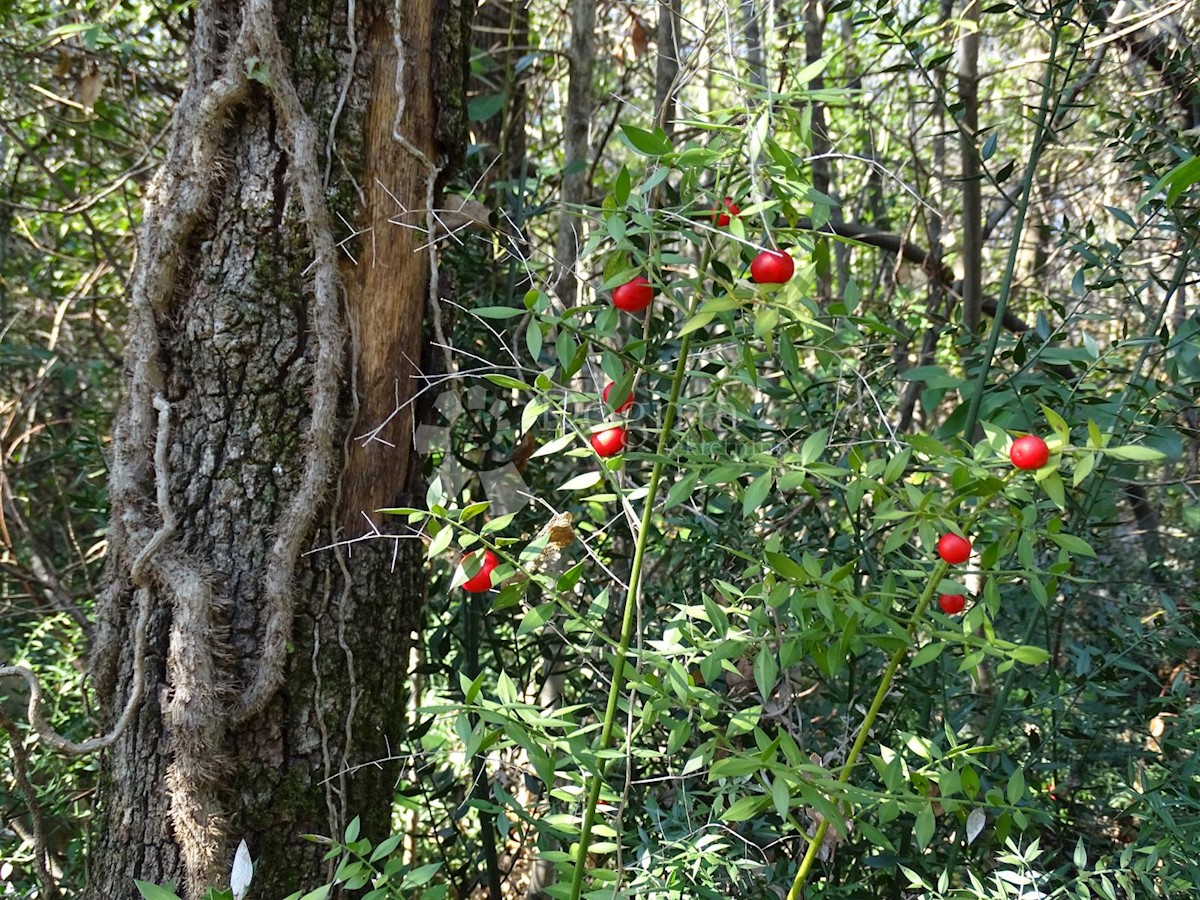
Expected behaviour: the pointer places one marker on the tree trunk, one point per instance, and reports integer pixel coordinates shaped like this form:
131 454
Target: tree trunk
968 92
577 147
666 65
259 351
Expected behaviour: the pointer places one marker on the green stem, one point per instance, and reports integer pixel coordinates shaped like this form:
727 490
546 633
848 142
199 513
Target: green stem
885 685
618 673
635 574
1039 142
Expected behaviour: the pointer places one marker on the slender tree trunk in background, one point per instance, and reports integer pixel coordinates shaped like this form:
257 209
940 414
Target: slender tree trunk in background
502 34
968 92
577 145
939 178
666 70
257 353
814 40
752 30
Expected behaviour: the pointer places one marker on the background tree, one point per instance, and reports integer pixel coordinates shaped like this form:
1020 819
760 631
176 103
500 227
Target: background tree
275 312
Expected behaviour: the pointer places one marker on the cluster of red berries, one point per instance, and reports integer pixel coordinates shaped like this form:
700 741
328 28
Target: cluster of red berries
611 441
1027 453
768 267
954 550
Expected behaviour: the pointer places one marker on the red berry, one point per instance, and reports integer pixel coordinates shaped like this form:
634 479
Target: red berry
772 267
953 549
952 604
610 441
1029 452
482 580
723 217
628 400
633 296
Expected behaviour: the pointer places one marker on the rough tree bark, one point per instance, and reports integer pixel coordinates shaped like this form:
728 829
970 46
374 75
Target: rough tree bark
968 92
577 147
259 349
666 64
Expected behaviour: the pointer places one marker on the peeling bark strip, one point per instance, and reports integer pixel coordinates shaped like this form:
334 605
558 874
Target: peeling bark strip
255 347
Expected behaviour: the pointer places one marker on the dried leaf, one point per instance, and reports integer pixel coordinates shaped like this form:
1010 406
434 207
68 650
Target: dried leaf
832 838
90 86
639 39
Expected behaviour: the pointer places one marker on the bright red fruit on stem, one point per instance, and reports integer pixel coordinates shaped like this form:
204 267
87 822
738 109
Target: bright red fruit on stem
1029 452
952 604
482 580
610 441
633 296
628 400
724 217
772 267
953 549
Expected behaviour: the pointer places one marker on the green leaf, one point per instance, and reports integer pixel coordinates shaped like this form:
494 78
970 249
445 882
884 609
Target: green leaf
532 412
1176 181
697 158
582 482
506 381
1016 787
766 670
647 143
420 875
533 339
565 348
1136 453
497 312
989 146
756 493
497 524
536 618
437 546
473 510
786 566
1053 486
621 187
1057 423
814 446
923 443
933 376
781 797
386 847
811 71
1079 858
1083 468
927 654
482 108
681 490
924 827
154 892
352 830
695 323
1072 544
555 446
1030 656
744 808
